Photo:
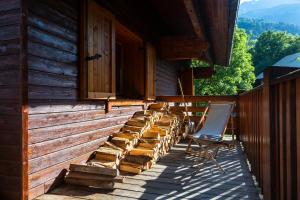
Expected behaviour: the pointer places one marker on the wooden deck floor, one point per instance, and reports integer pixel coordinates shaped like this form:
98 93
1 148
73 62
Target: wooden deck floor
173 177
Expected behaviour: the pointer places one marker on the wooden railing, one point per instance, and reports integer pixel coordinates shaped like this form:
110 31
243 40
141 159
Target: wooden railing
197 104
270 132
251 128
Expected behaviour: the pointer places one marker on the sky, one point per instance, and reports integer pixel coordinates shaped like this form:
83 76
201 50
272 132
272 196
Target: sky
277 1
242 1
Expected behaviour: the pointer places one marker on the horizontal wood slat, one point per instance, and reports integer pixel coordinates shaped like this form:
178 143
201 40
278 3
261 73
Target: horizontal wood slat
45 38
53 28
43 148
63 106
188 109
194 99
191 108
48 160
50 66
51 93
51 53
44 134
54 119
42 176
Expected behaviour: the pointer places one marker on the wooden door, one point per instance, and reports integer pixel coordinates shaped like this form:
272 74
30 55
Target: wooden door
150 72
100 59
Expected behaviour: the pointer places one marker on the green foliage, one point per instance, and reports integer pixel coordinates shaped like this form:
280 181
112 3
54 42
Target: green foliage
272 46
199 63
229 80
255 27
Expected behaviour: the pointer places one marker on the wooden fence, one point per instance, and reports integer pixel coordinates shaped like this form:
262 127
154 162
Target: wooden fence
197 104
270 131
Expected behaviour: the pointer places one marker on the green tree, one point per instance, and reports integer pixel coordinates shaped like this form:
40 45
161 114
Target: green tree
229 80
271 46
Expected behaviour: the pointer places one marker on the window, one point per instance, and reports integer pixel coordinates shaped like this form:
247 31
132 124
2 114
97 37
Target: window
131 62
115 62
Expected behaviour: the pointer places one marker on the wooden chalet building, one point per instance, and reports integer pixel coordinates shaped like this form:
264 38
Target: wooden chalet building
72 72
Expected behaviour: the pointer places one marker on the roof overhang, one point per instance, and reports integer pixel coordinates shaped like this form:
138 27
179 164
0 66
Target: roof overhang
211 21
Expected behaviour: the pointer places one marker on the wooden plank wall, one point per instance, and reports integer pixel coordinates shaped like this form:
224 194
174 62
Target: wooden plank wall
166 78
273 151
11 100
62 129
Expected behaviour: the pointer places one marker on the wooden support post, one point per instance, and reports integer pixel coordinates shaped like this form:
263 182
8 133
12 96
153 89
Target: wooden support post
266 136
203 72
108 106
237 130
282 140
181 48
187 81
232 127
24 98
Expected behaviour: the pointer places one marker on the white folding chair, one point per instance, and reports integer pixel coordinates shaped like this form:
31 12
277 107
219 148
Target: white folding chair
210 136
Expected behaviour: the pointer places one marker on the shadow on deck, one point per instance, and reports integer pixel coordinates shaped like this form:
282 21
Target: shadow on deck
173 177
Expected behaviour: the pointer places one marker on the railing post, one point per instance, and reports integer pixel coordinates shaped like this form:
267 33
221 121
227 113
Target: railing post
237 124
266 136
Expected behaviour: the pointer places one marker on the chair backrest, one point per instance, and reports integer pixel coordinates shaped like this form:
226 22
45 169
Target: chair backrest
216 121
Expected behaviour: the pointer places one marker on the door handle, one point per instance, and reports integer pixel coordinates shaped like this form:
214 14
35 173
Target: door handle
94 57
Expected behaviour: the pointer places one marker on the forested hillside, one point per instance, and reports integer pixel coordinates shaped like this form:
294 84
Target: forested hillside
285 12
254 27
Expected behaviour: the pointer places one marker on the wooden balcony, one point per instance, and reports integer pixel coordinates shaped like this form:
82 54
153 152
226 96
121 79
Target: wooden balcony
266 123
178 175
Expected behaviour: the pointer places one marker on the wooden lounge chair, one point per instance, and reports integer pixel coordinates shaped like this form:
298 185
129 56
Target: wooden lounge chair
210 136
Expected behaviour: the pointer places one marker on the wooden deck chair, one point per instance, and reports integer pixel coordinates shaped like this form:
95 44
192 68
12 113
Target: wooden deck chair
210 136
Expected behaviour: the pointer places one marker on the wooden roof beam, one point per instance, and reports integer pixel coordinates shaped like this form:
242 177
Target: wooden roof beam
181 48
203 72
197 26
